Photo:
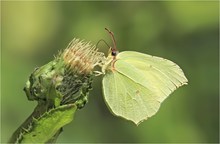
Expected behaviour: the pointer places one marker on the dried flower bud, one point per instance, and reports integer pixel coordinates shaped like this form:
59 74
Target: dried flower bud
82 56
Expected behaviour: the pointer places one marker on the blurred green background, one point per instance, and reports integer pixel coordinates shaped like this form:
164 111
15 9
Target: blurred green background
184 32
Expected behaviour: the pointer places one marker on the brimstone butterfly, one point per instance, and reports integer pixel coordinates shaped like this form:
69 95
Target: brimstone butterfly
135 84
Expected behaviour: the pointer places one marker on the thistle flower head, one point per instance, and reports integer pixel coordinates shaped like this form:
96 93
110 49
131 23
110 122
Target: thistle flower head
67 78
82 56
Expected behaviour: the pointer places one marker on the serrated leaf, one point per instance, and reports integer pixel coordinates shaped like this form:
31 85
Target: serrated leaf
49 123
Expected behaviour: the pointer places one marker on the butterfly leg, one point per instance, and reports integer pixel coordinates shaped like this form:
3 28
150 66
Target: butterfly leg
98 73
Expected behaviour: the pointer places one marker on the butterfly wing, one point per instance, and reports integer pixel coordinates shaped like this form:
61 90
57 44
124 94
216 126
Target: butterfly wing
127 96
137 83
162 74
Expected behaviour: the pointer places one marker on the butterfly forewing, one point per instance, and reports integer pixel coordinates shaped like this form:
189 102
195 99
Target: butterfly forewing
163 74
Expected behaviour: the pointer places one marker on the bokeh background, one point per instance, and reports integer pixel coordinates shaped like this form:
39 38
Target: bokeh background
184 32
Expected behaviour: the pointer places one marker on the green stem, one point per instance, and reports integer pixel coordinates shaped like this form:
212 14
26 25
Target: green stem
44 126
38 111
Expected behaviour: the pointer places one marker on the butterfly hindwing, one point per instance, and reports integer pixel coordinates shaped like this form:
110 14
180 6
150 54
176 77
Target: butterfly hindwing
127 96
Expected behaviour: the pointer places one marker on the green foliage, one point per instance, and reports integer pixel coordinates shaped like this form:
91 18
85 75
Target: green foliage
46 126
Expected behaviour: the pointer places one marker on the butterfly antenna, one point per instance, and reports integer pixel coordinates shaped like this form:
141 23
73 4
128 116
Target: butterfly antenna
113 39
101 40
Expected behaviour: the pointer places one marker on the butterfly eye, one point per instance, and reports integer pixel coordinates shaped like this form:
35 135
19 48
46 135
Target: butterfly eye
114 53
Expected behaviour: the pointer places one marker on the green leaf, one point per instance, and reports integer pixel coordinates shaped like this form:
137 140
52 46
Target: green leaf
135 84
45 127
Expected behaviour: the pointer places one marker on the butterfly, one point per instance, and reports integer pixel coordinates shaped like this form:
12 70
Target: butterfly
135 84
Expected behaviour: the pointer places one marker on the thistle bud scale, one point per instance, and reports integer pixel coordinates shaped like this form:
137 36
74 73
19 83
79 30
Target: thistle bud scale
82 56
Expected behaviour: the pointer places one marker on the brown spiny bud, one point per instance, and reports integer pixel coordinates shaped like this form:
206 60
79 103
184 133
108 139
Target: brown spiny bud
82 56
